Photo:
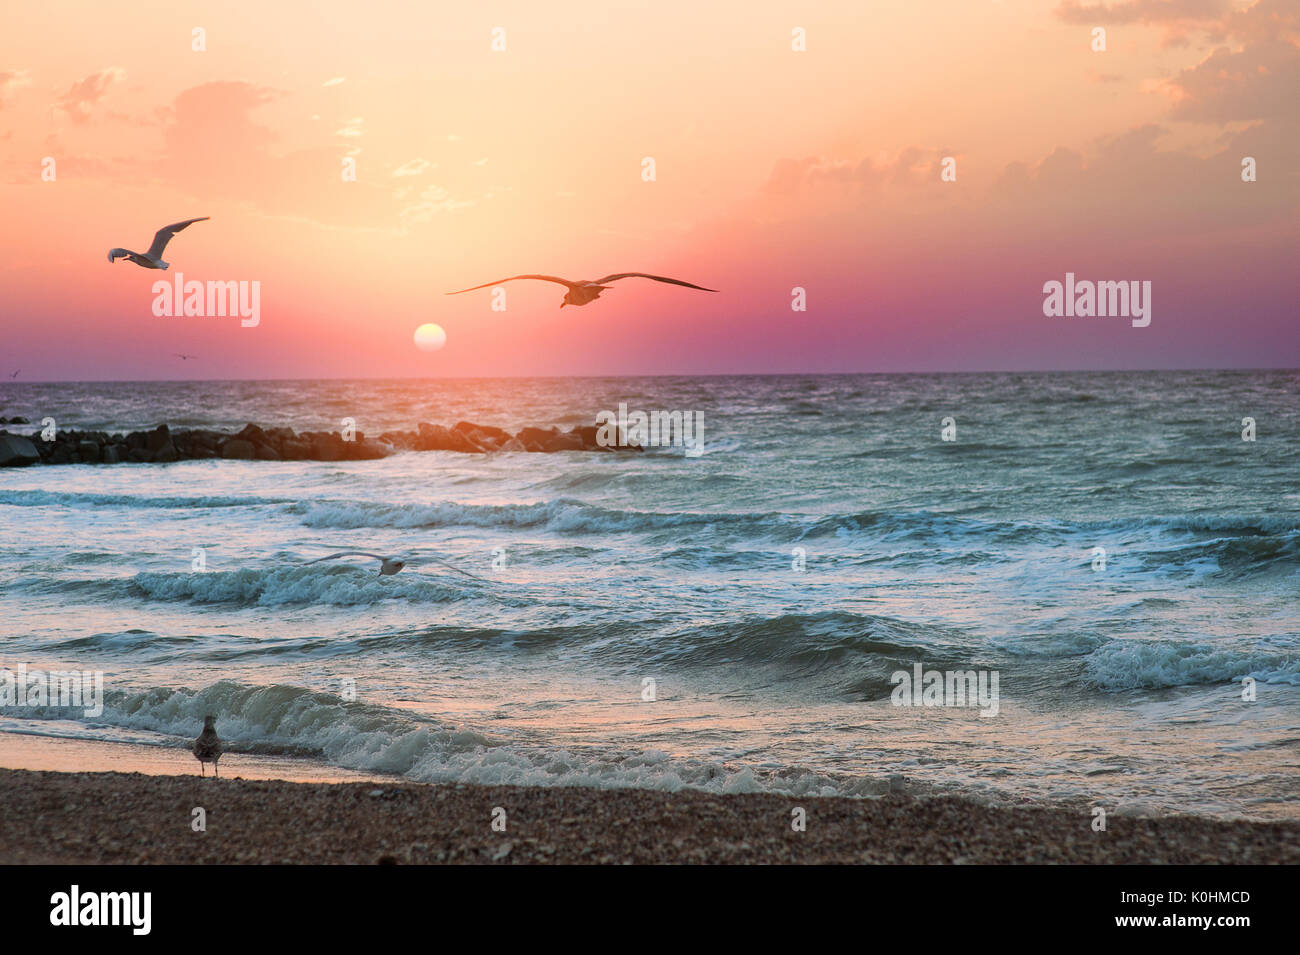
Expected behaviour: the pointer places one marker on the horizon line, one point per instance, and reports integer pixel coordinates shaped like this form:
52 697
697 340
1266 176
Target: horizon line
738 374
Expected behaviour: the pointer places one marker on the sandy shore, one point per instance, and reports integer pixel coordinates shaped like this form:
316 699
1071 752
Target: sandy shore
79 818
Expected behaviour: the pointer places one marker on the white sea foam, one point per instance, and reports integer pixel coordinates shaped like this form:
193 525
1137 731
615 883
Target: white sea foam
1132 664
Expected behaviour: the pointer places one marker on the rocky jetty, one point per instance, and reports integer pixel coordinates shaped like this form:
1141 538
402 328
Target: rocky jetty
162 445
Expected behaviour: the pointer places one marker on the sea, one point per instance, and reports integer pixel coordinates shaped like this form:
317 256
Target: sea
1113 558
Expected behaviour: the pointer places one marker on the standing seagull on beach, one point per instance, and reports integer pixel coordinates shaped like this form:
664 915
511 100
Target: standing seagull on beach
207 748
580 293
153 258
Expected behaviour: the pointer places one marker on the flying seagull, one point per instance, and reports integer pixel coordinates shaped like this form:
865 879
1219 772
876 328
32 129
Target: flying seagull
390 565
15 374
184 357
580 293
387 565
153 258
207 748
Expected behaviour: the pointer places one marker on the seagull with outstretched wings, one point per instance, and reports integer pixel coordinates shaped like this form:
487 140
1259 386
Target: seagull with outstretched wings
153 258
580 293
388 566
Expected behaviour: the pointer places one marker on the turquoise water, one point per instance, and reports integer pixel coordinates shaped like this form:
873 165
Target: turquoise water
770 587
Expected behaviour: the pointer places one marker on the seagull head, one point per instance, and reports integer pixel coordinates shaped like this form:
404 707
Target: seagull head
390 567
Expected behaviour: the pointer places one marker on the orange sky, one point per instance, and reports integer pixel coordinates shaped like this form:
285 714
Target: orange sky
775 169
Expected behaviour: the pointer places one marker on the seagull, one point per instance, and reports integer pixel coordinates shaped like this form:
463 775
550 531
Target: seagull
391 565
580 293
387 565
15 374
153 258
184 357
207 748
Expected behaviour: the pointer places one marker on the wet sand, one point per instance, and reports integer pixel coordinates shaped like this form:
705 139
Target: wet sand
90 818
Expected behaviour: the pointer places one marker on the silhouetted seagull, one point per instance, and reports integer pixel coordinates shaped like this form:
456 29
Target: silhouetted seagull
580 293
153 258
15 374
184 357
207 748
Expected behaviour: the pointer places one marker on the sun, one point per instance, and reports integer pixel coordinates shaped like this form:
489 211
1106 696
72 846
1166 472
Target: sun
430 337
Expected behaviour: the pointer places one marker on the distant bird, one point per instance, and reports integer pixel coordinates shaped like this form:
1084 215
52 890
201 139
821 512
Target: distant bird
207 748
387 565
580 293
15 374
153 258
184 357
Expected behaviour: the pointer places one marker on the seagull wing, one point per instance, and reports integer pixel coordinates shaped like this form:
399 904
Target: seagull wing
348 553
451 566
545 278
658 278
115 254
164 235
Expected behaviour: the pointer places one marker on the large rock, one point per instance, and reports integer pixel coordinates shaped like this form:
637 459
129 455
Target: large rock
237 449
483 434
159 439
434 437
16 451
255 435
325 446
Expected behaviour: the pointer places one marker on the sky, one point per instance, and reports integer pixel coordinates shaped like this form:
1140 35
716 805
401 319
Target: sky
491 139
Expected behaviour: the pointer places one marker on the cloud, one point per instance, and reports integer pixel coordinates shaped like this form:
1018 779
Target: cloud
790 176
336 81
12 80
351 127
433 200
212 144
412 167
1254 80
81 97
1260 81
1142 11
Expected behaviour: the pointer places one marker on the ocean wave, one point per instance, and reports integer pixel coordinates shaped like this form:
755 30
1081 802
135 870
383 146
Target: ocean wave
562 516
568 515
338 585
294 721
1240 556
1149 664
806 642
39 498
